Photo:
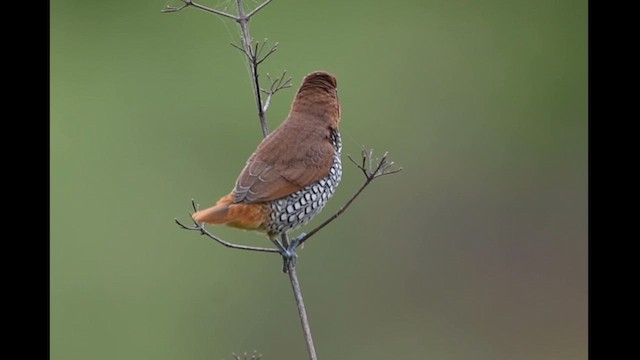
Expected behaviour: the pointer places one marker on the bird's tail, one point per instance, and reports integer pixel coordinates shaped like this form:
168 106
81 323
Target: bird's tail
218 214
243 216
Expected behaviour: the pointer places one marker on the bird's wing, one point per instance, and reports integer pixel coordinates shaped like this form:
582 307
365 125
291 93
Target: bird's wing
279 168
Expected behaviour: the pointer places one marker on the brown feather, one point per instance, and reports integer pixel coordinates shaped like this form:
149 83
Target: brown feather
299 152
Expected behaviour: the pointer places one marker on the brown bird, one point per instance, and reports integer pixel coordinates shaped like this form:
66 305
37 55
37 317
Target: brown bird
294 170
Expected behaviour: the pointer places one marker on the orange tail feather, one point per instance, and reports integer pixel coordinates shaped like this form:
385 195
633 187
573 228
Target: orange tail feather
213 215
243 216
217 214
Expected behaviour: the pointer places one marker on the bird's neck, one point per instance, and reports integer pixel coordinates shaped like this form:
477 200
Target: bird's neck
320 107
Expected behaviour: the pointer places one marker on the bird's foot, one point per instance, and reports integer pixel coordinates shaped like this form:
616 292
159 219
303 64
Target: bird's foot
289 258
289 255
288 250
296 242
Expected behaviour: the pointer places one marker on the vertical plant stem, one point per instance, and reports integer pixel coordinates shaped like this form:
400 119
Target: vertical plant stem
302 311
252 56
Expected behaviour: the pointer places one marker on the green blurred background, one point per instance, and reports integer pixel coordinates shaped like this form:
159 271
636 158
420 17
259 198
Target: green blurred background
476 250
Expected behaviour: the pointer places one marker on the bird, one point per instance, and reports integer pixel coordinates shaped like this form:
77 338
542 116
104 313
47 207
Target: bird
293 172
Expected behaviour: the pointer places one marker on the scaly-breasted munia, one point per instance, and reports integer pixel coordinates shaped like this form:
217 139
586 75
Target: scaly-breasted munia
294 170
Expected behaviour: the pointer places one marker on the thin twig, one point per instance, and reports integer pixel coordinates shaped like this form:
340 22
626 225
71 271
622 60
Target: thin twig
276 85
169 8
251 52
187 3
243 21
342 209
200 228
242 50
302 310
382 168
273 49
254 356
258 8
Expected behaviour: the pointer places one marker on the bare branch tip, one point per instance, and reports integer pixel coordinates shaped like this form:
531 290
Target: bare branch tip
170 9
184 227
258 8
194 205
241 49
353 161
264 42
